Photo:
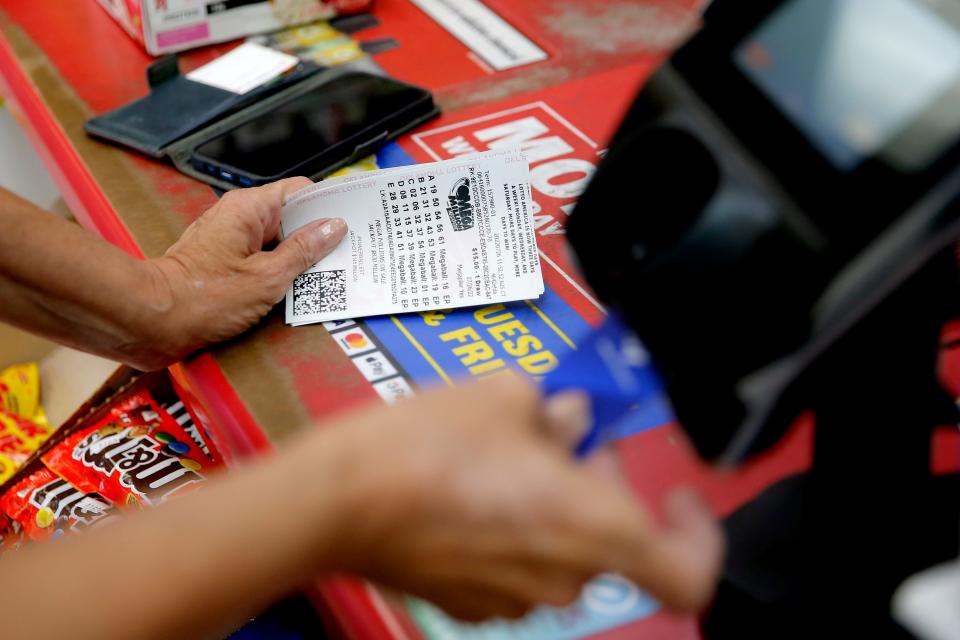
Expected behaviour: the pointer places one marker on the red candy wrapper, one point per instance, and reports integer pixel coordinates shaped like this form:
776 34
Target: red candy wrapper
11 534
135 454
47 506
192 427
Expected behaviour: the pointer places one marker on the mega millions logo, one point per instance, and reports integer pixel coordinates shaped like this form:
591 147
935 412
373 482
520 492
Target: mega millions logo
460 205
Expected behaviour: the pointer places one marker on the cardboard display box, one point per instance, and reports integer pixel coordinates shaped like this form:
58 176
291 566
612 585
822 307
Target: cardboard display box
77 388
68 378
165 26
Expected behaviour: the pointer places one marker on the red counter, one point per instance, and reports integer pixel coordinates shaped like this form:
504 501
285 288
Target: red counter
63 62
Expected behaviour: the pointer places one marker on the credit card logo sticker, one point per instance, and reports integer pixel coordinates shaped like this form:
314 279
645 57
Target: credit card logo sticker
354 341
374 366
337 324
393 389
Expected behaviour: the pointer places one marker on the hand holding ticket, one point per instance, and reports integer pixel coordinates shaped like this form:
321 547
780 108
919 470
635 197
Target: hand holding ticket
424 237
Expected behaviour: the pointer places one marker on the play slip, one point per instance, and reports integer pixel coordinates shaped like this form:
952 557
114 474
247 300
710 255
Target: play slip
425 237
244 69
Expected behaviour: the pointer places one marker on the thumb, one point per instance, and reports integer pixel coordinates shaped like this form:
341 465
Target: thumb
682 569
307 246
566 418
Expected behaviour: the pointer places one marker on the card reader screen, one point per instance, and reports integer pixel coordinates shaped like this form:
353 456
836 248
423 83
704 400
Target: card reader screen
278 141
862 78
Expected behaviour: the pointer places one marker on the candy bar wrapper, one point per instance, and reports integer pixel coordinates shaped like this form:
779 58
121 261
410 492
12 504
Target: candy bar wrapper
23 424
430 236
135 454
33 433
47 506
19 437
7 468
11 534
612 367
20 393
193 428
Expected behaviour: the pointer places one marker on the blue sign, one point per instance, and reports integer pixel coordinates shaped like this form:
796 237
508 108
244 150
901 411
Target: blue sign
543 338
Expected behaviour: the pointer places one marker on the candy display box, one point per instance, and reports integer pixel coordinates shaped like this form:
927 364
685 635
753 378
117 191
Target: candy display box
68 378
132 443
165 26
76 387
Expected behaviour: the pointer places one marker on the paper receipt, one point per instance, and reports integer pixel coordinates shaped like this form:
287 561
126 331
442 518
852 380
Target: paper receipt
425 237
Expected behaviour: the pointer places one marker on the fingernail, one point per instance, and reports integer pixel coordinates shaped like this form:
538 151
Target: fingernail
568 417
334 227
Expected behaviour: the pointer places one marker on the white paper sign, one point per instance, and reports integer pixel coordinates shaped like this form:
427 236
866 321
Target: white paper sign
488 35
425 237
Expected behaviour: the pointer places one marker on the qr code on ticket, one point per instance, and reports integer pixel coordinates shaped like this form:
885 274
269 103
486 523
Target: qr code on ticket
321 292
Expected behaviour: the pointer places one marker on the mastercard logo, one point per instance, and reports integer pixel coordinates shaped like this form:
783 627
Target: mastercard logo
356 340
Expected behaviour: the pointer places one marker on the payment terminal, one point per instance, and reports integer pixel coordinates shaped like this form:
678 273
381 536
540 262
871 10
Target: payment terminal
791 166
777 218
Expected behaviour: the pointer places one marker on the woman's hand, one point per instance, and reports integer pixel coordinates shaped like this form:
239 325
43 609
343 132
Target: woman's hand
60 281
217 281
467 497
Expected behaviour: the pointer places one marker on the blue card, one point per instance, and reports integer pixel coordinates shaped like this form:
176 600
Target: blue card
612 367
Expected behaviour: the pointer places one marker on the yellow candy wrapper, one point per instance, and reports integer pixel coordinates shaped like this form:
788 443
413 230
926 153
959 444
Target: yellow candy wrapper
23 425
13 443
20 392
14 429
7 468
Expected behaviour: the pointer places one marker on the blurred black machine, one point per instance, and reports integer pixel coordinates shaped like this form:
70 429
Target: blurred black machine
777 218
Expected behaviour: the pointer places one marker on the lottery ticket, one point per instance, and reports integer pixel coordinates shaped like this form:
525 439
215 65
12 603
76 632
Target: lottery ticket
431 236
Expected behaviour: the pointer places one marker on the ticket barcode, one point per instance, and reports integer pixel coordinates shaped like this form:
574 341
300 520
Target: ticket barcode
320 292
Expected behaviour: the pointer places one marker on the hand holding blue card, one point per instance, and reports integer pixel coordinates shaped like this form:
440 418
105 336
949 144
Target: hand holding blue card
612 367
